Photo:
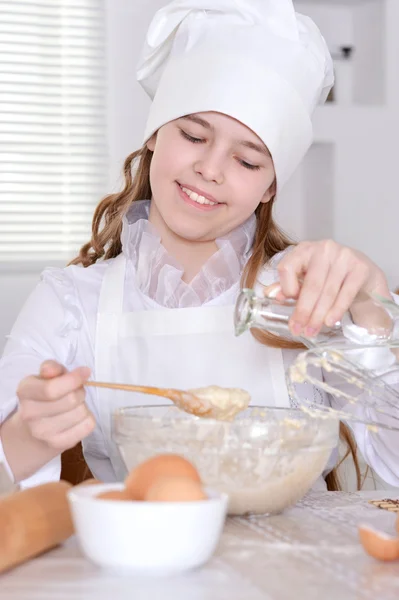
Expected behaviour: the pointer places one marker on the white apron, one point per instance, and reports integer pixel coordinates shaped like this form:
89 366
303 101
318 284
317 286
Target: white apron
176 348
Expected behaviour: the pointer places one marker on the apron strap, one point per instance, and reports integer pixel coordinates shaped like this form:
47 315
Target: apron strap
110 307
112 288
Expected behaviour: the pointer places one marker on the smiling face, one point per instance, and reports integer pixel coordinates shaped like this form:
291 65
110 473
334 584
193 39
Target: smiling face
209 173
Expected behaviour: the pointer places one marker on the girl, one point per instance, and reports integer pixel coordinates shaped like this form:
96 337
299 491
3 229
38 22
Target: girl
234 85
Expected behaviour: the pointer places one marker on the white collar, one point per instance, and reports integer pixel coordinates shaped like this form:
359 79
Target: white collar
159 275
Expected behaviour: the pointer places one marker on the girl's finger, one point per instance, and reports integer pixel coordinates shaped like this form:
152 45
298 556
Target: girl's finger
332 287
70 437
32 409
348 292
49 390
50 369
310 293
291 269
48 427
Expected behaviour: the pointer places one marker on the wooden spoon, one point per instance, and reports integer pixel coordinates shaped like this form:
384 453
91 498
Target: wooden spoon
200 402
184 400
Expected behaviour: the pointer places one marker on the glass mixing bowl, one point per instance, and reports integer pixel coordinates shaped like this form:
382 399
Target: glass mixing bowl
265 460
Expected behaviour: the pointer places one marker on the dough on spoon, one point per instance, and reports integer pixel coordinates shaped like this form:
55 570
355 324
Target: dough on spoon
226 403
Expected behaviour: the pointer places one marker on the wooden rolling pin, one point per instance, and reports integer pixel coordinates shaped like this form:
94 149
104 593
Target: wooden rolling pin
33 521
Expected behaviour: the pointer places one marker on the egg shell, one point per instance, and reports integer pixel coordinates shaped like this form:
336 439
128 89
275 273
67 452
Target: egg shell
144 475
119 495
175 489
379 545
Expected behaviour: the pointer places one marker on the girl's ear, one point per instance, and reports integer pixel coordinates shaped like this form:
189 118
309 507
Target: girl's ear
270 193
151 142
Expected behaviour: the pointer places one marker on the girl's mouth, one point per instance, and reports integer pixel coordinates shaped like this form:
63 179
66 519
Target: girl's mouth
195 199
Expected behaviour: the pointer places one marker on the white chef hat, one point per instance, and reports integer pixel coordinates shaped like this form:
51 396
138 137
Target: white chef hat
255 60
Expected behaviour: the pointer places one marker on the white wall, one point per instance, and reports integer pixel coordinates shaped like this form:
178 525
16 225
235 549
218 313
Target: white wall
127 23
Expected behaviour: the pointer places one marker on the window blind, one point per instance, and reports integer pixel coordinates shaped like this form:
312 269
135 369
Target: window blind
53 158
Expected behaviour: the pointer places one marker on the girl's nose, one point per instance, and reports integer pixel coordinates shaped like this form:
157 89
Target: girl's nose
210 168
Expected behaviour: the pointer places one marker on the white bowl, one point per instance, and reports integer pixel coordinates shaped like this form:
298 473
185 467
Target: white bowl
150 537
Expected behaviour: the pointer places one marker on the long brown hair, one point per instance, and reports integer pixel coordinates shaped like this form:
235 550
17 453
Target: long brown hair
107 221
269 240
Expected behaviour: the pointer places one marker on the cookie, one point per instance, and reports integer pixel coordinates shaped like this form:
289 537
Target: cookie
386 504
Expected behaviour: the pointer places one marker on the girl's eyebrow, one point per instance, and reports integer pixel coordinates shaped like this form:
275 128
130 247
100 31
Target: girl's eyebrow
258 147
199 120
252 145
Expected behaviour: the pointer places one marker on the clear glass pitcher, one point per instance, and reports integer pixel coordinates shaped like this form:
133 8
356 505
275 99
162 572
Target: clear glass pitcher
356 361
371 319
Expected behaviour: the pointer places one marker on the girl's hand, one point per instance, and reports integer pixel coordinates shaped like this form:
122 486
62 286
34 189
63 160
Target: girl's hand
325 277
52 406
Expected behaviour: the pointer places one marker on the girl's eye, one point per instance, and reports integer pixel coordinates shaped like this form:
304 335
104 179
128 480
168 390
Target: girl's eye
248 165
195 140
190 138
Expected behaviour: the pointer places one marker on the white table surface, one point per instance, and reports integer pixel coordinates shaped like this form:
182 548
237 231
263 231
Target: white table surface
310 552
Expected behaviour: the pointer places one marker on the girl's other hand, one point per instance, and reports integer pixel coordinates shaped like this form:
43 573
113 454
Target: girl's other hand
325 278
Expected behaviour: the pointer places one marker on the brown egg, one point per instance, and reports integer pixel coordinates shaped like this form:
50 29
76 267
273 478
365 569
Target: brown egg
120 495
142 477
175 489
378 544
